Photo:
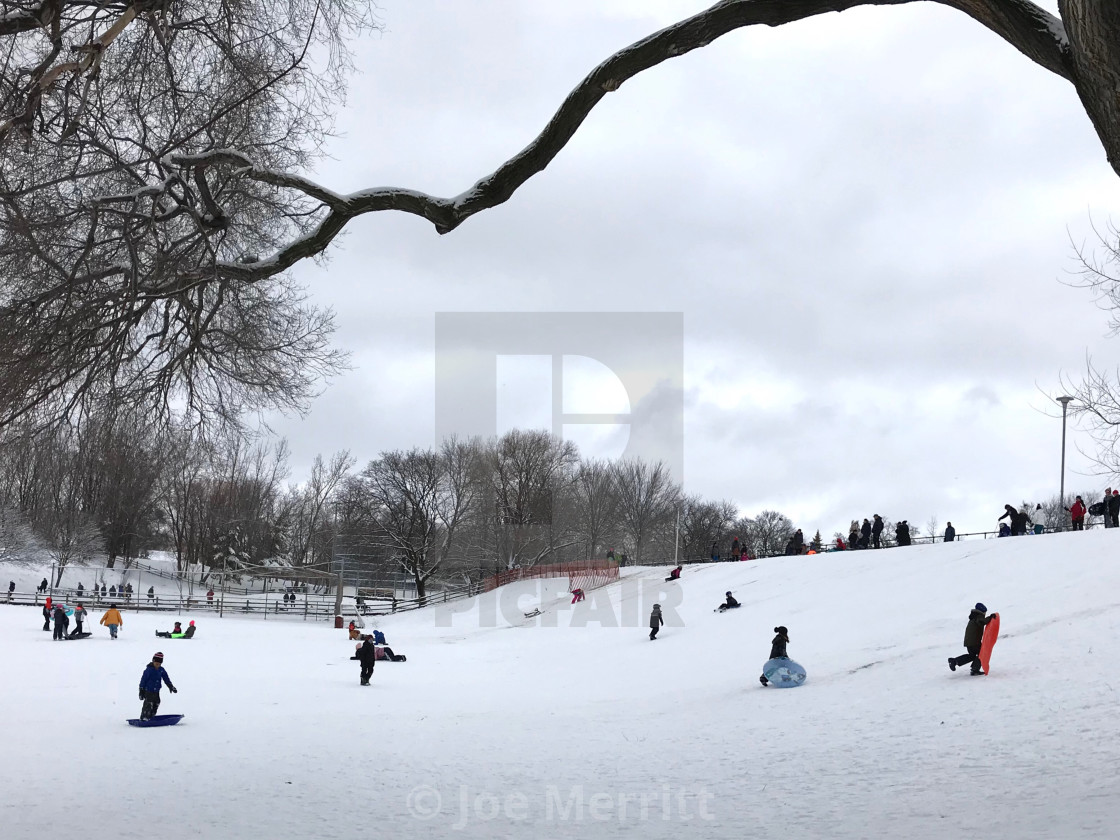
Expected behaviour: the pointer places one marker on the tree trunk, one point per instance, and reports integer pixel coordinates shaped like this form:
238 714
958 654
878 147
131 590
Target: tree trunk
1093 29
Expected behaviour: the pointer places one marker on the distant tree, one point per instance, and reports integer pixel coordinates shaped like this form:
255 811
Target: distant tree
766 534
647 503
815 543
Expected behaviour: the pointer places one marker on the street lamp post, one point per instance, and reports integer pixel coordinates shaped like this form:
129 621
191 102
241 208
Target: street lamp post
1065 401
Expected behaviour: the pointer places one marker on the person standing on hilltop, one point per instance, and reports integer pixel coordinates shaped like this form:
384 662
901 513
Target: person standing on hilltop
950 532
1077 514
877 532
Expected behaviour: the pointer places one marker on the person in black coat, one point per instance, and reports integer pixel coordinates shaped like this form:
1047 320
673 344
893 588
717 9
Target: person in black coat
367 655
877 531
46 618
865 534
42 585
973 636
777 648
902 533
1114 508
61 622
729 604
655 621
1018 521
950 532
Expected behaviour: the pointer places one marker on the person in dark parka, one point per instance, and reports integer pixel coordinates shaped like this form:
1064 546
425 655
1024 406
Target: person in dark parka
367 655
61 622
902 533
729 604
655 621
778 647
865 534
877 531
950 532
973 636
1017 521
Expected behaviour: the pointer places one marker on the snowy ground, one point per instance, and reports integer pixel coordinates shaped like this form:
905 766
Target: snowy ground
594 731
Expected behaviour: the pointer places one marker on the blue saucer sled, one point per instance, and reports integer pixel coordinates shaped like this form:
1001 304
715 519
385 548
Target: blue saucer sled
783 673
158 720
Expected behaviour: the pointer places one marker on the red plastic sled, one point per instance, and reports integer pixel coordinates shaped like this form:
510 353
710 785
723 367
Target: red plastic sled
991 634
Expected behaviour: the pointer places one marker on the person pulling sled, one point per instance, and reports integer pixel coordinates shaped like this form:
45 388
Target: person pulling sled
973 636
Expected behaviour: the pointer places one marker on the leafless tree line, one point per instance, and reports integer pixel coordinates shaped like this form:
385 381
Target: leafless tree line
153 195
116 484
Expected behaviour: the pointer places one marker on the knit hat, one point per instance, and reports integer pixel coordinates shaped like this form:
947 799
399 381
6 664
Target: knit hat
981 607
158 657
192 624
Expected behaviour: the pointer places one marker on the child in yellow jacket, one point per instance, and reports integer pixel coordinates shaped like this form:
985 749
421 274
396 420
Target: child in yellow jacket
112 619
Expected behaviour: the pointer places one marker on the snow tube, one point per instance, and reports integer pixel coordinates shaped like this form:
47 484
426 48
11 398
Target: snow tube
783 673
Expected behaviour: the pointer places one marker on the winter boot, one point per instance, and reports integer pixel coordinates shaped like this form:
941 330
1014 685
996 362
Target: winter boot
763 680
952 663
976 672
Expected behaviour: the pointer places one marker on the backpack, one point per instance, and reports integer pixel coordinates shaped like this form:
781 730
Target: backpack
1097 509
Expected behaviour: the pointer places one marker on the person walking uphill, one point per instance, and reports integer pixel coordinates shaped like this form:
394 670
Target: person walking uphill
112 619
973 636
778 647
150 683
367 655
655 621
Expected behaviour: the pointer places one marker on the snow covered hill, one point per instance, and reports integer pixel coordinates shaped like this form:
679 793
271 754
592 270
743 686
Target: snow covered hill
574 724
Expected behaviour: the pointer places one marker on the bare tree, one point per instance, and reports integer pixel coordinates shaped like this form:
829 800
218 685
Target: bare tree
418 499
647 504
704 523
766 534
596 506
529 473
152 196
310 504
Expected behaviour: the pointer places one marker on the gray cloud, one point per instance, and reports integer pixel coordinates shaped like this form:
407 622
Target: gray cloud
863 218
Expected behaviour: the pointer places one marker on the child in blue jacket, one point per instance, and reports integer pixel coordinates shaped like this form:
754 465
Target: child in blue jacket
150 683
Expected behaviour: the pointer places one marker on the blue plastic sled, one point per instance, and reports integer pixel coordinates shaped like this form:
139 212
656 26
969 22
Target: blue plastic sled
158 720
783 673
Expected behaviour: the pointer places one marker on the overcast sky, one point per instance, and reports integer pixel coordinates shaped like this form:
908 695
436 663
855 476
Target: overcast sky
864 218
